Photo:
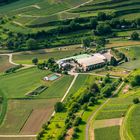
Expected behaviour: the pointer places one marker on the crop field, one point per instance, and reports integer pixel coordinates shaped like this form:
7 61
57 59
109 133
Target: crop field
133 126
134 58
107 133
26 58
4 64
19 111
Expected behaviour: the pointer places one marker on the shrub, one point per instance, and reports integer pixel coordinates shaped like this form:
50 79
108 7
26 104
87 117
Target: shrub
59 107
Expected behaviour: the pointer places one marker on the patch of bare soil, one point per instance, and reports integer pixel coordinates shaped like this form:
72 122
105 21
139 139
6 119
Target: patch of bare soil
36 120
69 134
126 89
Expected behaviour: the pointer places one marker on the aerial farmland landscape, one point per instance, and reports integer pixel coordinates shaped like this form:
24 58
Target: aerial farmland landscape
69 69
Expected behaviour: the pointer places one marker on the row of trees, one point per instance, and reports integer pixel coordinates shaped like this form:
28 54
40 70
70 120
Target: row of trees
101 25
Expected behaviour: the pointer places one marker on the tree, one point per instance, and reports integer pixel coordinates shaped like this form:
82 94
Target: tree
134 36
136 100
101 41
35 60
104 29
135 81
77 121
86 42
102 16
113 61
138 21
32 44
94 23
59 107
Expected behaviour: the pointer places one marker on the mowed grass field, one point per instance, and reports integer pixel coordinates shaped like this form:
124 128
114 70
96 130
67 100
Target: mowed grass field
26 57
4 63
134 58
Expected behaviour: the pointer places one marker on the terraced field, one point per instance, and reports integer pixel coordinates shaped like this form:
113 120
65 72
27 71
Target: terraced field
121 8
29 11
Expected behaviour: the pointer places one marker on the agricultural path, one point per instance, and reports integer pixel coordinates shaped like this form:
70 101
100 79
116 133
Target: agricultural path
89 131
10 55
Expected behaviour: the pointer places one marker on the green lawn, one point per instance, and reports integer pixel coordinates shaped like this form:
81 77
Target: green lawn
58 88
107 133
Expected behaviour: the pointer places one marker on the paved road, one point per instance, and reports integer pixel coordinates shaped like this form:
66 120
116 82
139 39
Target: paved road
89 128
